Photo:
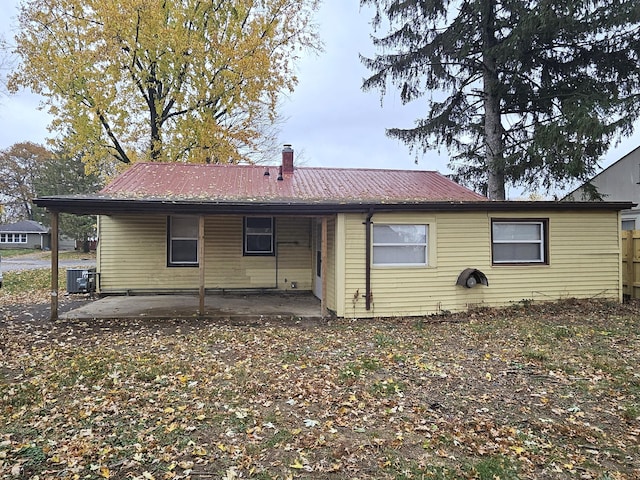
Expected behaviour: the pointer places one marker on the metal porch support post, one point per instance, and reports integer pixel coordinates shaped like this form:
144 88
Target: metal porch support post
323 267
201 264
54 265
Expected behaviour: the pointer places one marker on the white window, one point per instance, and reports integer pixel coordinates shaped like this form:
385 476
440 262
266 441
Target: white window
401 245
519 241
258 236
183 240
13 238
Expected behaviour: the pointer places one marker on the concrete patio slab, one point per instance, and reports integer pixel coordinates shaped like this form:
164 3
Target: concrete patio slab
231 306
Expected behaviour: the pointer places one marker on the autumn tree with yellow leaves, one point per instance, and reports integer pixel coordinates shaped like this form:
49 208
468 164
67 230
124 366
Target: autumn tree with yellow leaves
172 80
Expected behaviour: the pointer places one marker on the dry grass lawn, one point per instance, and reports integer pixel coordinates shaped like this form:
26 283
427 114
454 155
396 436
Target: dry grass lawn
528 392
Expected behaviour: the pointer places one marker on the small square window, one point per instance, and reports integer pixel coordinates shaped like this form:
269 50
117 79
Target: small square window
259 235
628 224
519 241
182 240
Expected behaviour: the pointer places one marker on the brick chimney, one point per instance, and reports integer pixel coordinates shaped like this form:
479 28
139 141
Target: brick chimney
287 159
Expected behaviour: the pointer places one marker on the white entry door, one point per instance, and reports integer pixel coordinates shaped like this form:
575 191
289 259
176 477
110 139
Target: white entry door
317 263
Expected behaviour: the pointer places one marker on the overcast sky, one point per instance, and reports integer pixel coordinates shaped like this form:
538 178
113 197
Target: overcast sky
329 120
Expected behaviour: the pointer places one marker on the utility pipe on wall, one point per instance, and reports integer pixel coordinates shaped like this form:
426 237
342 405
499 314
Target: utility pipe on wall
367 224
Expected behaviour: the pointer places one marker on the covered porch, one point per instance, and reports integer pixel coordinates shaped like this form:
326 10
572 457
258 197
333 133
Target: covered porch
209 291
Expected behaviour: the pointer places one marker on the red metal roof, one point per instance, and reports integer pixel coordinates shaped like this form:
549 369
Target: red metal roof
249 183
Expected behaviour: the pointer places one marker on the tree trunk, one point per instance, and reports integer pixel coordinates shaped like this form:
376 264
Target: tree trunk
493 130
153 97
155 143
493 146
28 210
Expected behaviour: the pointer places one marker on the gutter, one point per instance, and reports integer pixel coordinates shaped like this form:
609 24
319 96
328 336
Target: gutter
110 206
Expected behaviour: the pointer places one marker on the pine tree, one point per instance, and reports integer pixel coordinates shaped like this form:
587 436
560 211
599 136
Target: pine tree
535 92
65 175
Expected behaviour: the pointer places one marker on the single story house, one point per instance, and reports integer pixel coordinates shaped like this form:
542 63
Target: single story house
30 234
368 243
619 182
24 234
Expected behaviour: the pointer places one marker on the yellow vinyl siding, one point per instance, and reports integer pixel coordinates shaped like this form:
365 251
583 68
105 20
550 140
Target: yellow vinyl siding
354 266
295 256
133 256
133 253
584 262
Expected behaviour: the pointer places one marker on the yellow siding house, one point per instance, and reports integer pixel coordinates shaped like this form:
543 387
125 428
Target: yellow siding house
365 242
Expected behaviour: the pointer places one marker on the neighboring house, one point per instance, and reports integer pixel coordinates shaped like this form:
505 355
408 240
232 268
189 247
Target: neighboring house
620 182
24 234
368 243
30 234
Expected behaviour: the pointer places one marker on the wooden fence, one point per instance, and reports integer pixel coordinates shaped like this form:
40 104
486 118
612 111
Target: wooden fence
631 263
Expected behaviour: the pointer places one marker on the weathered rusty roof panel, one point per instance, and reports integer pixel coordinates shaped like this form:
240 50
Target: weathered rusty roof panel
305 184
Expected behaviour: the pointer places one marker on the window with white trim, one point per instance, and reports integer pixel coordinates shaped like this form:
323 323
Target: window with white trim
519 241
400 245
182 241
13 238
259 235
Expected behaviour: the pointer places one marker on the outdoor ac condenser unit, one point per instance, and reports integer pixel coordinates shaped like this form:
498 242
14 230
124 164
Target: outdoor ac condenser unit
80 280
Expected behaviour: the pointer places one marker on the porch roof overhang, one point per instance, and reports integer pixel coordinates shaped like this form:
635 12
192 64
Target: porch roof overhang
109 205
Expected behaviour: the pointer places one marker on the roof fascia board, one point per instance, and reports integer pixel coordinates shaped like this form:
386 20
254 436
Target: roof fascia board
102 206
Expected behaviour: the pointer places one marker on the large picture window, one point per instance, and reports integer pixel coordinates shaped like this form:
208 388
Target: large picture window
13 238
183 240
519 241
258 236
402 245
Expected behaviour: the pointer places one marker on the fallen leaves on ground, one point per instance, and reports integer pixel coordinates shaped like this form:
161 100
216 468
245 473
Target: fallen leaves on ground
30 287
549 391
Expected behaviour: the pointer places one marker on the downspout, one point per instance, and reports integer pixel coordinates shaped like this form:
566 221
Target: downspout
367 274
